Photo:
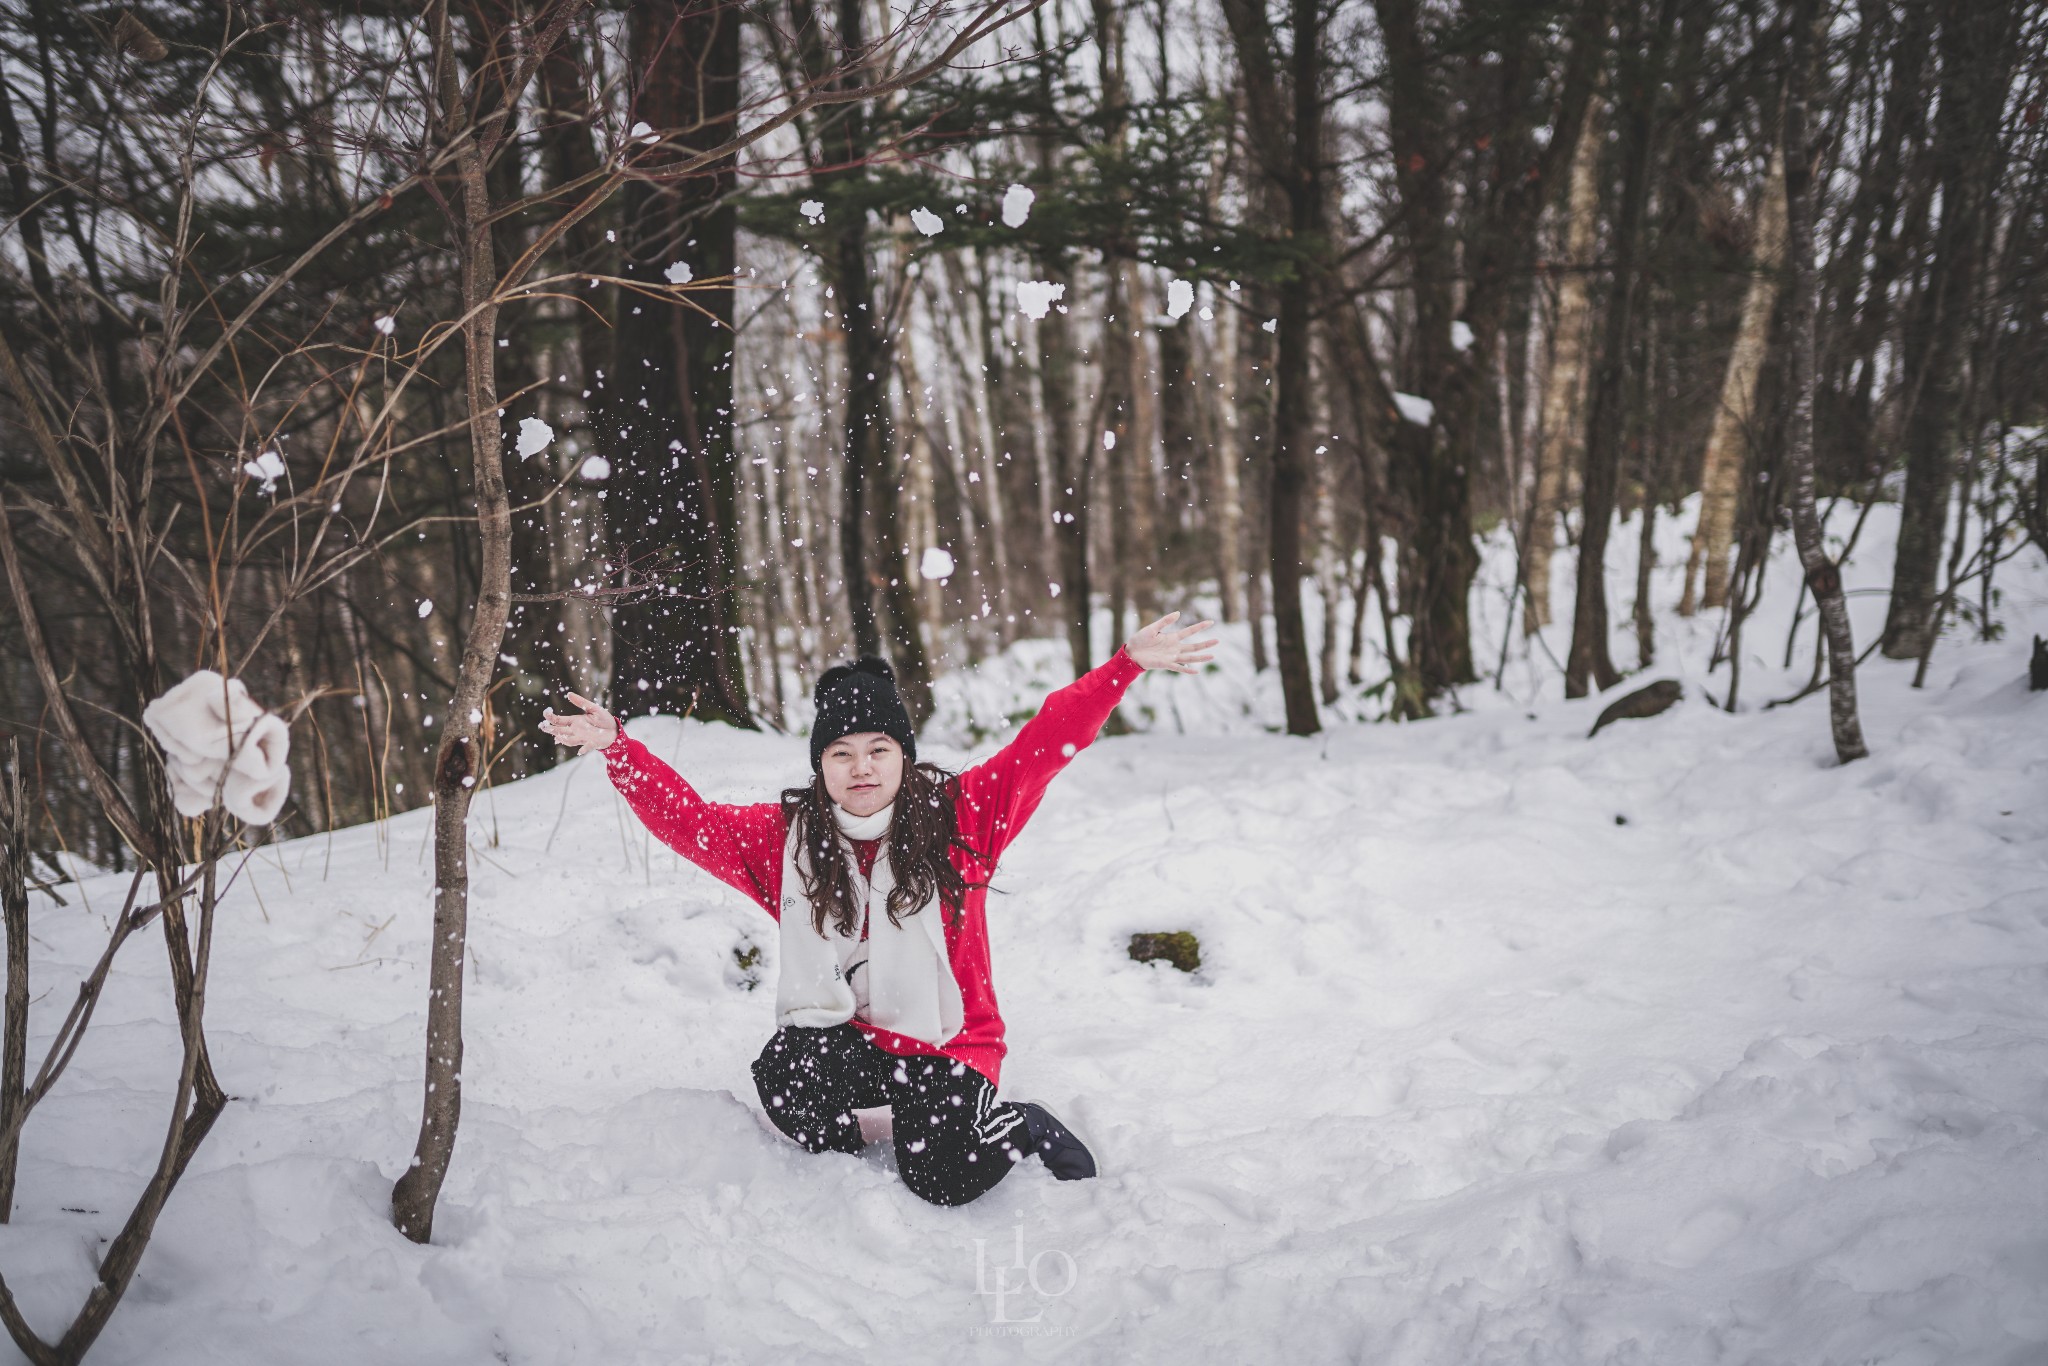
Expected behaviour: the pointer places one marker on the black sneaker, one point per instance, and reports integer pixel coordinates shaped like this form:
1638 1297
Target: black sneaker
1062 1151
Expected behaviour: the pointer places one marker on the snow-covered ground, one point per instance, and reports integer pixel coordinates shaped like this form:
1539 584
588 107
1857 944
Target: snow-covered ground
1677 1045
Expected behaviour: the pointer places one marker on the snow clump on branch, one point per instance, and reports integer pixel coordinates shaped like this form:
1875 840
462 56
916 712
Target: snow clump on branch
218 739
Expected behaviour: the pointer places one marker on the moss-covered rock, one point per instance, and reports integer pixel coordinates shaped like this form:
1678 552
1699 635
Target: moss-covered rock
1177 947
746 957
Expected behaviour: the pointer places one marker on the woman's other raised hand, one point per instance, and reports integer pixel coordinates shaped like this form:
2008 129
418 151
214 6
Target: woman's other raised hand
1161 646
592 727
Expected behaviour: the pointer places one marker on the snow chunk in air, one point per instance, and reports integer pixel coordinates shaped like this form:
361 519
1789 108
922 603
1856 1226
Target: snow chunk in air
936 564
1180 297
678 272
1017 205
927 222
269 467
534 437
596 469
1415 408
1461 335
813 210
1034 297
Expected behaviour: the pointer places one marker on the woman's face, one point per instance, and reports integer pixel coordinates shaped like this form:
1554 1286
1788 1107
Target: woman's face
862 772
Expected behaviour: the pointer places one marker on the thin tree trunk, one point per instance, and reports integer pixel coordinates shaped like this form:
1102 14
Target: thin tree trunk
672 508
917 461
1288 137
1646 564
1329 583
1729 438
1116 441
14 853
1976 62
1225 462
1589 660
1118 363
1142 525
1072 470
1822 574
1561 434
1295 397
458 764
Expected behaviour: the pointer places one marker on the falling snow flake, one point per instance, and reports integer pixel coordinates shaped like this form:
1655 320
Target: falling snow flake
426 608
813 210
678 273
595 470
1180 297
1017 205
1461 335
927 222
1270 325
386 325
936 564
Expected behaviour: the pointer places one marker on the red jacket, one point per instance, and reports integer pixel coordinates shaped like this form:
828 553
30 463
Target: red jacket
742 845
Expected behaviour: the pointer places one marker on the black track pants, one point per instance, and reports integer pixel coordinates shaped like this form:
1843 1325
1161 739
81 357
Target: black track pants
953 1141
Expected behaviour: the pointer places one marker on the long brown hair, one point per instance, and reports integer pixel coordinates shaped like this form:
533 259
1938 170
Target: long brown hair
923 831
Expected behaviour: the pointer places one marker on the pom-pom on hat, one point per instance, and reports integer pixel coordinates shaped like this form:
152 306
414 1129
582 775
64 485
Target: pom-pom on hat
852 699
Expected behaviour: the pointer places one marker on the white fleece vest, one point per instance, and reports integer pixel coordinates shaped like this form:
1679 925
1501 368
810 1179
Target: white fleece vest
911 990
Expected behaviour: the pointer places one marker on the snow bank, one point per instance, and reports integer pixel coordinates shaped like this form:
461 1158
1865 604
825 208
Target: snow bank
1680 1045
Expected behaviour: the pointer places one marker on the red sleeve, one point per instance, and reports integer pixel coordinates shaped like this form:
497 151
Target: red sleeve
998 795
739 845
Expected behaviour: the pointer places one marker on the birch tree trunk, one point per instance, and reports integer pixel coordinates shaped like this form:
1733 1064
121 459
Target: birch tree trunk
1728 439
1561 431
1225 462
1823 576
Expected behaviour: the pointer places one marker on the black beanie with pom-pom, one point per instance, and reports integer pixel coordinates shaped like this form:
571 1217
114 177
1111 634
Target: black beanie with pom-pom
852 699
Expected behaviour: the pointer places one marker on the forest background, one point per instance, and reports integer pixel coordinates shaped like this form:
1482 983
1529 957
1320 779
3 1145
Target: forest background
774 357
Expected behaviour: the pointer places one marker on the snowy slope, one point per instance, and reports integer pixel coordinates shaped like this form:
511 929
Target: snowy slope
1474 1071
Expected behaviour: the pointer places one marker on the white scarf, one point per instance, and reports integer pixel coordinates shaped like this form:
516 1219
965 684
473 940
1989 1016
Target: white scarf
911 990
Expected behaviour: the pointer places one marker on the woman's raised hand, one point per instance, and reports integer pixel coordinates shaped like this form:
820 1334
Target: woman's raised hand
591 728
1160 646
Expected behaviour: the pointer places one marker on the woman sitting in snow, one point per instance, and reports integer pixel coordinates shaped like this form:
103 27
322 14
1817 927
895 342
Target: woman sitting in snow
886 997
